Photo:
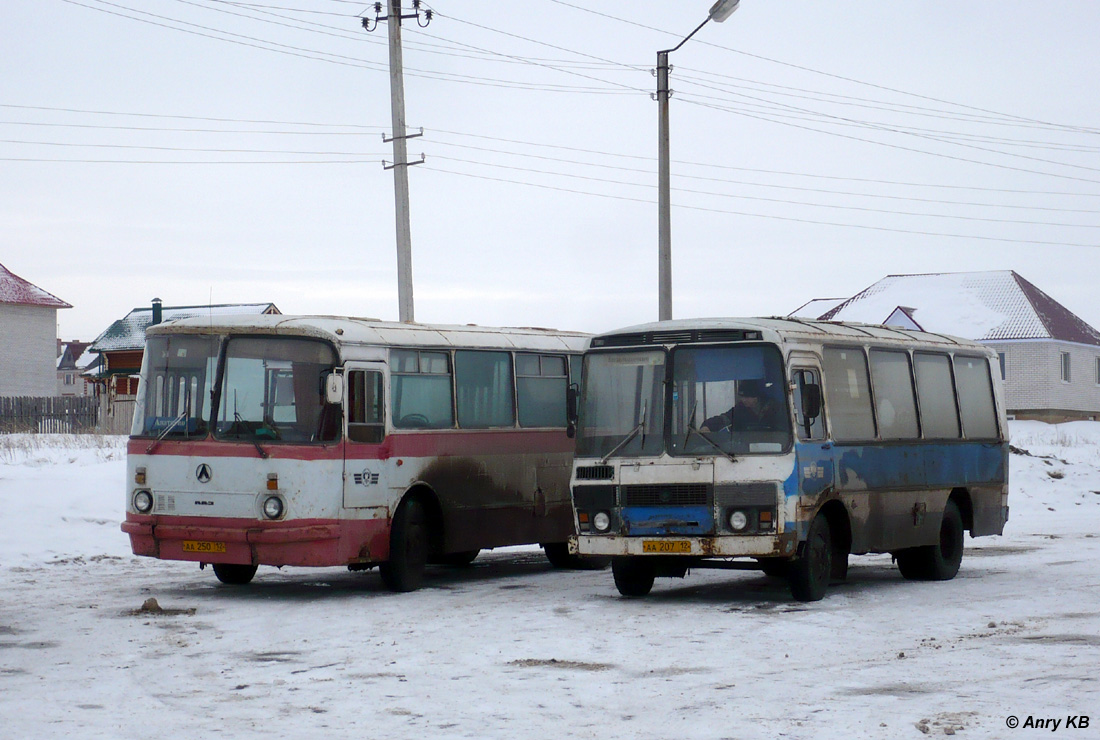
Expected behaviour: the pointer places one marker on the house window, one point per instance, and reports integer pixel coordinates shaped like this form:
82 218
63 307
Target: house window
1098 370
1001 359
1065 367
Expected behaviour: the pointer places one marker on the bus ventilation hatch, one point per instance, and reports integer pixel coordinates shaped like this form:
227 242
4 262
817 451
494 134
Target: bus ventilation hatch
686 336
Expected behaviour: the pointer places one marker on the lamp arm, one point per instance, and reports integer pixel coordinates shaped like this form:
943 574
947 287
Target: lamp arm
686 38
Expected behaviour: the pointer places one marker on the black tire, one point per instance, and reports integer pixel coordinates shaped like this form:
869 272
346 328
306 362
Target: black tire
233 574
939 562
775 567
633 575
558 554
404 571
809 574
459 559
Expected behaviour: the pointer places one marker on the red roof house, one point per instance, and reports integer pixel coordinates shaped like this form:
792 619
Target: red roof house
28 337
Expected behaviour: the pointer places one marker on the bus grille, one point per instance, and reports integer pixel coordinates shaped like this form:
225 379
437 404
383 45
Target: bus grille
683 494
596 472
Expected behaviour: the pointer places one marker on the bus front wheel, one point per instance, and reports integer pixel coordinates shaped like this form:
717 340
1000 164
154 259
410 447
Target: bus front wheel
809 575
404 571
633 576
233 574
939 562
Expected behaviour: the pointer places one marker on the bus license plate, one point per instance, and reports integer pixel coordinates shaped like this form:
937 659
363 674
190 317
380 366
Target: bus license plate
680 547
201 546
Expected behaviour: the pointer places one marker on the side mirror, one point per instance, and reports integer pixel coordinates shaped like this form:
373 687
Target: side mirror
334 388
571 411
811 400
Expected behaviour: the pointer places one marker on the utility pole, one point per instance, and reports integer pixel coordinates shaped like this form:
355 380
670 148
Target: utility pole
401 162
720 11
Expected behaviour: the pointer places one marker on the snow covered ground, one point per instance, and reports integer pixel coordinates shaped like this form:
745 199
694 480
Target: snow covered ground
511 648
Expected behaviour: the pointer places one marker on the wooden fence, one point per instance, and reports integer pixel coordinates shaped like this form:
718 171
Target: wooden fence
50 415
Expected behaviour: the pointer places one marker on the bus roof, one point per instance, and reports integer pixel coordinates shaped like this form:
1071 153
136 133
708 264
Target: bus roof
772 329
362 331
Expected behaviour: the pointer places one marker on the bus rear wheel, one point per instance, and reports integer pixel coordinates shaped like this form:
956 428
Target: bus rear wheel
939 562
633 576
233 574
809 575
404 571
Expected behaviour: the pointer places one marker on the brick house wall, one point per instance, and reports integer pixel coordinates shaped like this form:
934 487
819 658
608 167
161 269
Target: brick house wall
1034 388
28 350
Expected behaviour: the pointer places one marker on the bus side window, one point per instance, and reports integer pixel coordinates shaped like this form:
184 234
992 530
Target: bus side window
366 410
975 397
848 394
421 388
894 399
540 387
483 387
812 426
936 392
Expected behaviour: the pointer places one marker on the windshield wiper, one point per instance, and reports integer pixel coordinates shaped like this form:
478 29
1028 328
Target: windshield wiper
631 435
691 428
240 420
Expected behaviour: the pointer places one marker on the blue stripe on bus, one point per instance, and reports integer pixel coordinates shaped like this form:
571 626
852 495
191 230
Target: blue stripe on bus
665 520
886 467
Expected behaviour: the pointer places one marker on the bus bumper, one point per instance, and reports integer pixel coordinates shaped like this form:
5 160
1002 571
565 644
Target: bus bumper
757 546
299 542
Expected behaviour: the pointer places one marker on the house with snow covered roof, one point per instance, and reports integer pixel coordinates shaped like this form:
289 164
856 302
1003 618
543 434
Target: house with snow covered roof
28 337
73 360
1049 357
121 346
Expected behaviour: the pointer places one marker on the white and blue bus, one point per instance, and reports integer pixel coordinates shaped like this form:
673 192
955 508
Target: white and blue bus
785 445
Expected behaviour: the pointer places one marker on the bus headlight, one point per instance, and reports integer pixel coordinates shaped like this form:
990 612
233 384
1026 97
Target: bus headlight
738 520
273 507
601 522
143 502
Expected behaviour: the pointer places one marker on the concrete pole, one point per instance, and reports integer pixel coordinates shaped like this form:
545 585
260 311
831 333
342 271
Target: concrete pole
400 167
664 206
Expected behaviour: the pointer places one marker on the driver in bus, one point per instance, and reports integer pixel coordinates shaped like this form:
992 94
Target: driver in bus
757 409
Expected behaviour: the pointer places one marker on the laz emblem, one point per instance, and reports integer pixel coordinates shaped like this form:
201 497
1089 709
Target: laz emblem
366 478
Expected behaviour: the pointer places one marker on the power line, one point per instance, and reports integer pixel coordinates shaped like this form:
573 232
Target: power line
359 130
794 219
830 74
896 146
776 200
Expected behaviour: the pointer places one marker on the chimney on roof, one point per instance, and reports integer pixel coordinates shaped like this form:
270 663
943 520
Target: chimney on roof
158 313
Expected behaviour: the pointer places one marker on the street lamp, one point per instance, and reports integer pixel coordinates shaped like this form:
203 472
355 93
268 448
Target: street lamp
719 12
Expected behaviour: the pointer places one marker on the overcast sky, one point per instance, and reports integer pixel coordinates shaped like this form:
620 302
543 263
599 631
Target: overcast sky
203 150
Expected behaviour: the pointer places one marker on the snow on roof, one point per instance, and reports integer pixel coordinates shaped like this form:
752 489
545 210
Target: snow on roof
86 359
983 306
17 291
128 333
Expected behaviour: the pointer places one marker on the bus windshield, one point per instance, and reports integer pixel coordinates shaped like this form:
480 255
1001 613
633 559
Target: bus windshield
724 400
728 399
622 412
179 374
273 389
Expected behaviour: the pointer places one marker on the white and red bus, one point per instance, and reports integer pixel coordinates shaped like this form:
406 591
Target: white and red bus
323 441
